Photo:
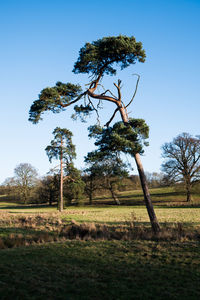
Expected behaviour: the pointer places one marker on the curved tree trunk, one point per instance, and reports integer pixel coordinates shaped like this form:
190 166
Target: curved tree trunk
147 198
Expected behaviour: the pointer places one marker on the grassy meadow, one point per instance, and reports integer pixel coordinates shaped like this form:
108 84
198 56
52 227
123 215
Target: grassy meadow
101 251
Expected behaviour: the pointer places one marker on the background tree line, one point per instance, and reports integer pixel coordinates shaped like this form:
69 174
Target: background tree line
104 178
105 173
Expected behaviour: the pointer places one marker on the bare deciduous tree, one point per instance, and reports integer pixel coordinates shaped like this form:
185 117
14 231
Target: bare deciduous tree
183 160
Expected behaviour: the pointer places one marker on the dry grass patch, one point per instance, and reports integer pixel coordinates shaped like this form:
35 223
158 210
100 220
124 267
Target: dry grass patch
24 230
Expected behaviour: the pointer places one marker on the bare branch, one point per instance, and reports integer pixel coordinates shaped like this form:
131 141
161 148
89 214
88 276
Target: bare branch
101 97
135 90
108 123
96 110
69 178
74 101
118 89
98 105
110 93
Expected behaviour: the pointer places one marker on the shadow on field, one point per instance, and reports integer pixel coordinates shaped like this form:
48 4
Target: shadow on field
100 270
174 199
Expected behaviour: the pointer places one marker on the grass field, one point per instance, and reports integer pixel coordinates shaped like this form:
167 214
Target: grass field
101 270
40 260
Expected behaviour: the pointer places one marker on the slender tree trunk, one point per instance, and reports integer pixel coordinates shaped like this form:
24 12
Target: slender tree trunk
114 195
147 198
61 179
90 196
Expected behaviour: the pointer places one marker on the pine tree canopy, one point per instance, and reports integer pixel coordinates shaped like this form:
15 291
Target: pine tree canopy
99 56
62 143
128 139
54 99
106 164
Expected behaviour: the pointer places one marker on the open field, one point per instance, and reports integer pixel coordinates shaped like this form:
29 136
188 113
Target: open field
102 251
101 270
170 207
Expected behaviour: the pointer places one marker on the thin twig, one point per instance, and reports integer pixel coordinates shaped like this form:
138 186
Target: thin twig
96 110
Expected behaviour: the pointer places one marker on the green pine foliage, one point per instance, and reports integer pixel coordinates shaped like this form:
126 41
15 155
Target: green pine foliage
129 139
97 58
53 99
73 185
55 149
100 56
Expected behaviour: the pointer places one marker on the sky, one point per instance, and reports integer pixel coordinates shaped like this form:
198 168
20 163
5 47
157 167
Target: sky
40 42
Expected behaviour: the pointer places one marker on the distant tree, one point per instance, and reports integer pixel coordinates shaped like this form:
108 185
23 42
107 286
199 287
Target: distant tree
25 178
9 185
61 148
135 181
91 180
155 179
109 169
73 184
98 59
48 189
183 160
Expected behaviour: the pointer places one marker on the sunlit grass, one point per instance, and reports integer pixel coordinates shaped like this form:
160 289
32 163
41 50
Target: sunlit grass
170 207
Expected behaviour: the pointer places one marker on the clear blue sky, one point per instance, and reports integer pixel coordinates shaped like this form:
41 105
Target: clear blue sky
40 41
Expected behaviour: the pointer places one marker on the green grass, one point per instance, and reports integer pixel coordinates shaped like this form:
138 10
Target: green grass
169 204
101 270
117 215
75 269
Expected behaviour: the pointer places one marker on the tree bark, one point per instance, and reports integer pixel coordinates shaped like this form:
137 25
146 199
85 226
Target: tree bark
90 198
91 193
114 195
147 198
188 192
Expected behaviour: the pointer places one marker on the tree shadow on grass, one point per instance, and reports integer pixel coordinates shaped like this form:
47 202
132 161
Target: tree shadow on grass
138 199
100 271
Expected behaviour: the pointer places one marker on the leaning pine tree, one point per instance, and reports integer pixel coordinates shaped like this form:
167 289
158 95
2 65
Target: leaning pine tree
97 59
